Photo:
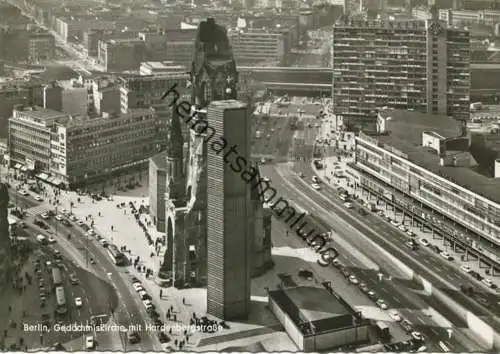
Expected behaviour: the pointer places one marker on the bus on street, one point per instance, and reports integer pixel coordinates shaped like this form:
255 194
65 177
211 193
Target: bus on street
61 308
56 276
116 256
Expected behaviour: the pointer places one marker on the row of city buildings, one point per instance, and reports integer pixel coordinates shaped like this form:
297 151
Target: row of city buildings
27 45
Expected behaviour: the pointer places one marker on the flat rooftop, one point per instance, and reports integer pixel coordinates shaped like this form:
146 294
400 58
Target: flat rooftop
405 134
307 304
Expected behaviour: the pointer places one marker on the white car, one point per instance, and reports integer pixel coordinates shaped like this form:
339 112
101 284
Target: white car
402 228
465 268
395 315
89 342
381 303
91 232
353 280
316 186
446 256
38 198
410 233
315 179
59 217
417 336
138 287
78 302
45 216
266 179
23 192
51 239
64 211
424 242
348 205
143 294
395 223
147 304
488 282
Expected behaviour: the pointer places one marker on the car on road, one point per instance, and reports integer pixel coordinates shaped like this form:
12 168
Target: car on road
380 213
417 336
133 337
148 304
353 280
402 228
381 303
64 211
465 268
410 233
89 342
395 223
412 244
372 294
73 279
23 193
45 216
266 179
163 337
104 243
488 283
446 256
363 212
315 179
73 218
59 217
424 242
395 315
78 302
143 294
348 205
51 239
363 287
345 273
38 198
407 326
476 275
316 186
138 287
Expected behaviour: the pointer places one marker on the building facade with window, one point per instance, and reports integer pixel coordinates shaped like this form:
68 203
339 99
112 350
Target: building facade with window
435 171
79 151
420 65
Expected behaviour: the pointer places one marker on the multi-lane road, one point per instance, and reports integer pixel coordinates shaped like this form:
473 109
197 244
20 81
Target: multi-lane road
425 262
79 248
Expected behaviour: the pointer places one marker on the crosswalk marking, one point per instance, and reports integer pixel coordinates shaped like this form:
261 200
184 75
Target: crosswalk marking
39 209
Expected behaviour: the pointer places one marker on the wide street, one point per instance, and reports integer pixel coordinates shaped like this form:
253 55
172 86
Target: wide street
130 309
396 289
435 268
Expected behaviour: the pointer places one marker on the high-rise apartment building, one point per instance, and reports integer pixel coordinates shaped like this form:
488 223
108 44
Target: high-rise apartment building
229 211
258 46
416 65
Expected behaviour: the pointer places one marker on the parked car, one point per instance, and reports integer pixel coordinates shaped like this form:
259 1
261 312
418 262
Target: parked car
353 279
395 315
446 256
424 242
465 268
407 326
381 303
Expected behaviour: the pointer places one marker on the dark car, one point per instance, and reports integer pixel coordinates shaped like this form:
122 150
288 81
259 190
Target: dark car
345 273
163 337
304 273
133 337
224 325
363 287
436 249
476 275
362 211
45 318
407 326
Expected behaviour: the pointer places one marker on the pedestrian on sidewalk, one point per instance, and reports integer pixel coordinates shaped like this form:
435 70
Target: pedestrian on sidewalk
184 301
161 293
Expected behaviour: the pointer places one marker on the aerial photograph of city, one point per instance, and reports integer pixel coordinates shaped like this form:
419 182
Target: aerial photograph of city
250 176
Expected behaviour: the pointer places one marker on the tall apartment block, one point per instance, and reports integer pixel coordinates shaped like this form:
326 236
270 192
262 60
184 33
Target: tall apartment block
258 46
415 65
229 214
